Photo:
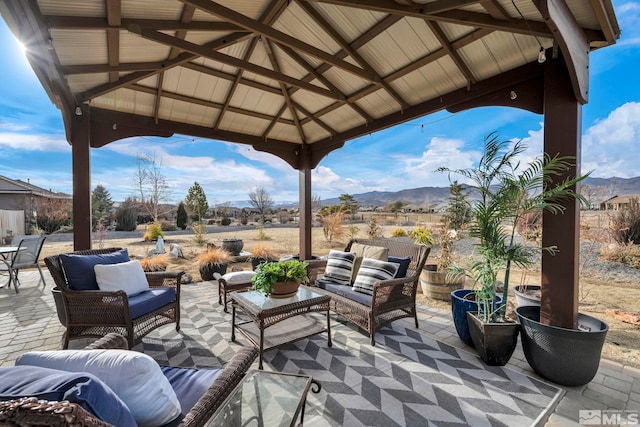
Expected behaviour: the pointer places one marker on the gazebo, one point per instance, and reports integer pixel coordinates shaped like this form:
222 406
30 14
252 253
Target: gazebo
299 78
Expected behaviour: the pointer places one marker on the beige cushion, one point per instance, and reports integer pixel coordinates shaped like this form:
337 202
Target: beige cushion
366 251
238 277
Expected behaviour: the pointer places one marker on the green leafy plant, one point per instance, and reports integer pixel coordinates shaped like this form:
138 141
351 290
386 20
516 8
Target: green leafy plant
506 194
422 236
280 271
153 232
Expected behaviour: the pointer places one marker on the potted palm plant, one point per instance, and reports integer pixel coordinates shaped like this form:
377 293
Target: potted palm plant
506 193
214 260
280 279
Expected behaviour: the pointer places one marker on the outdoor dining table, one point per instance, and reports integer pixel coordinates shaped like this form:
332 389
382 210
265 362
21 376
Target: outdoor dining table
6 252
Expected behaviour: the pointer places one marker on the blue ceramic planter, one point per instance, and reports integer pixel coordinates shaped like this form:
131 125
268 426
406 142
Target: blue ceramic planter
459 308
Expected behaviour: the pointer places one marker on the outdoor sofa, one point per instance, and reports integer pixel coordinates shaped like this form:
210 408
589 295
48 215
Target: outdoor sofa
208 388
381 292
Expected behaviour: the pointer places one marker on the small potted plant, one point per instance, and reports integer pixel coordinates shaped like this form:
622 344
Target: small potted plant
214 260
261 253
280 279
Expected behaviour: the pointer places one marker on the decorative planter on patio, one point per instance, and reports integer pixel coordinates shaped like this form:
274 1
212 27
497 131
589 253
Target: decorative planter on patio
494 342
233 246
459 307
568 357
527 295
207 271
439 285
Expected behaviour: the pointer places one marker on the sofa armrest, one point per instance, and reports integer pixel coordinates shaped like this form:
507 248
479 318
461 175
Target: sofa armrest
84 307
226 382
315 269
165 279
29 411
109 341
389 290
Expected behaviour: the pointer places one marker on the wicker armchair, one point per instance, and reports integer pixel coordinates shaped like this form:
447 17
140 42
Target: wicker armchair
97 313
28 412
392 299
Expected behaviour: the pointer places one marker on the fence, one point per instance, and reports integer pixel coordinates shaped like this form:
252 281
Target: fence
11 221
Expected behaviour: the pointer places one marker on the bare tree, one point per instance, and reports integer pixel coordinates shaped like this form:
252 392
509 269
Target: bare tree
151 185
261 200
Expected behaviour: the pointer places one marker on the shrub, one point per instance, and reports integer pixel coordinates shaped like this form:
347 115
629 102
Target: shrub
153 232
167 226
225 221
626 253
422 236
399 232
181 216
200 233
63 229
332 226
625 223
374 231
243 220
157 263
126 217
214 256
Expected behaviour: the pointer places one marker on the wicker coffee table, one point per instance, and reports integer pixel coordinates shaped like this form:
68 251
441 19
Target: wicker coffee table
265 313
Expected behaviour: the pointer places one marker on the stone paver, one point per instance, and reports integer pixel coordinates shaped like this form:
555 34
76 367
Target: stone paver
28 321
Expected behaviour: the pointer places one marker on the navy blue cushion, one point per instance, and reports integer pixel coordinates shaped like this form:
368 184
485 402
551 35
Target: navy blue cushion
189 384
150 300
77 387
345 291
78 269
404 265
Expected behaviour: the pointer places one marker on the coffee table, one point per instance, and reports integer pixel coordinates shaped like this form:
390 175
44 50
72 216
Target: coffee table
286 313
265 399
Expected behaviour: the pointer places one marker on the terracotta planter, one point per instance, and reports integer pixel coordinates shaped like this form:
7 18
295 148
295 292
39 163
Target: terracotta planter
284 289
494 342
207 271
438 285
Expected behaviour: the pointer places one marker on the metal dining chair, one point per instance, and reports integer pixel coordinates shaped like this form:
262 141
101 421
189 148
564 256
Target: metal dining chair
27 255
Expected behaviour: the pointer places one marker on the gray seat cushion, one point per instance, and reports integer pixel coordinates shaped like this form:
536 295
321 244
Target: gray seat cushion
345 291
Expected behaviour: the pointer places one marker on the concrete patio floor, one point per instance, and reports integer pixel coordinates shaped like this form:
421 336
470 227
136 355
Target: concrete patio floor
28 321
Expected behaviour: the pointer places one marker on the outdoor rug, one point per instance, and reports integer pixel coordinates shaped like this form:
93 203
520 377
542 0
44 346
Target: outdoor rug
407 379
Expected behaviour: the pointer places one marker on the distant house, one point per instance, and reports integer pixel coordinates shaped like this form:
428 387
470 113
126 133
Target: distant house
617 203
20 196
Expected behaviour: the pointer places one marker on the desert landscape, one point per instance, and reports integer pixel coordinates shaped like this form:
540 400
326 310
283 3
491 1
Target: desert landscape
609 291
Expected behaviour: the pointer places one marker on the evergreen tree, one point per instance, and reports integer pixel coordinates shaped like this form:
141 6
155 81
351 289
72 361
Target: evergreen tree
101 204
181 216
196 202
458 212
348 204
126 215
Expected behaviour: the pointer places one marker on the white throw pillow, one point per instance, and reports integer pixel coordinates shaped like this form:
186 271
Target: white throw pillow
125 276
372 271
238 277
339 267
134 377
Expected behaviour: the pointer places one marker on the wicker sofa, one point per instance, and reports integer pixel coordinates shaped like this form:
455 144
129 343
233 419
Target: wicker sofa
392 299
95 313
30 412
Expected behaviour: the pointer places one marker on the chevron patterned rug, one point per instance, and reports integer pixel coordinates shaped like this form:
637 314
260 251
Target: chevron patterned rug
407 379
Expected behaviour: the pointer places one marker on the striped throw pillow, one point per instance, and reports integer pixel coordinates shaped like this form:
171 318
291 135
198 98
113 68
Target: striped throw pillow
339 266
372 271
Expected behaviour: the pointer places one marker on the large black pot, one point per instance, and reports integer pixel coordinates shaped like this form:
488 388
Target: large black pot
568 357
57 299
459 308
494 342
207 271
233 246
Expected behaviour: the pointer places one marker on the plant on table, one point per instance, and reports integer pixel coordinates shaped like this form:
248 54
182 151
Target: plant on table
267 275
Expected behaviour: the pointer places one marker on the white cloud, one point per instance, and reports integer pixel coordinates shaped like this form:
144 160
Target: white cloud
13 127
440 152
33 142
611 146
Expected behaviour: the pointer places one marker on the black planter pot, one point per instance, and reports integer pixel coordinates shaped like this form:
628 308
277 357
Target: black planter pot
255 262
459 308
57 299
233 246
207 271
567 357
494 342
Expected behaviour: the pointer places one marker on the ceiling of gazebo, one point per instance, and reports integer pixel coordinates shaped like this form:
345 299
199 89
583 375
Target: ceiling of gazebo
280 73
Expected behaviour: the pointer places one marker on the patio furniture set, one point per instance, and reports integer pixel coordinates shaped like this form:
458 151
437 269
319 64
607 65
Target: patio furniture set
104 295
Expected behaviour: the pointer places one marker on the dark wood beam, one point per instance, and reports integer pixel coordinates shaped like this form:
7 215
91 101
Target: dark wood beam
231 77
220 43
98 23
278 36
329 29
81 177
410 9
314 118
114 19
608 31
572 41
126 67
202 51
495 9
453 54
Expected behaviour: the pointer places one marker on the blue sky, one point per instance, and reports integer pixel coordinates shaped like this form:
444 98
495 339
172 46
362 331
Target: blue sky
33 145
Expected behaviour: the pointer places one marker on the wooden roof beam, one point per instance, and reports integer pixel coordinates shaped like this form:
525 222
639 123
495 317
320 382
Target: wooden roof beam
453 54
230 77
495 9
278 36
99 23
114 18
610 34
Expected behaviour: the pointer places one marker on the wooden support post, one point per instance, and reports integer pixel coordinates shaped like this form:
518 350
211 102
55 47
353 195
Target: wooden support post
562 135
80 131
304 192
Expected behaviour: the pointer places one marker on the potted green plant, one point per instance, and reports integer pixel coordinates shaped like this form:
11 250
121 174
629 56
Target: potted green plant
214 260
280 279
506 193
261 253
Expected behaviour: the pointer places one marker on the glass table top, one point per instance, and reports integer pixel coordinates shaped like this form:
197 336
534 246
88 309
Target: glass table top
263 302
264 399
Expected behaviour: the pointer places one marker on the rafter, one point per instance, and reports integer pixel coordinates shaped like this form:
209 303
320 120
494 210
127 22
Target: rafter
114 18
98 23
328 28
271 13
220 43
231 77
278 36
453 54
495 9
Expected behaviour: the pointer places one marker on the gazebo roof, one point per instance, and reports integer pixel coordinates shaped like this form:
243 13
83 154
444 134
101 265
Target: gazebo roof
281 74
